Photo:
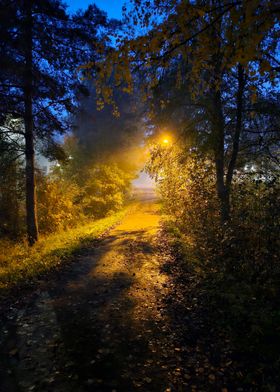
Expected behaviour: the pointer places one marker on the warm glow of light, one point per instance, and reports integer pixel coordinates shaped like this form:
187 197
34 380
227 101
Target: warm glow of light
166 139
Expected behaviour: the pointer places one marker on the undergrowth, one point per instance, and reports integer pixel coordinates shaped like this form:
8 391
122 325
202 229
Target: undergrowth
243 302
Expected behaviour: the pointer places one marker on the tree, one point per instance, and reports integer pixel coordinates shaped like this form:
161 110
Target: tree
221 52
99 186
41 50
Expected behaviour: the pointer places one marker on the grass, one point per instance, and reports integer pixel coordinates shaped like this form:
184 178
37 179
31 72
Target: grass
22 264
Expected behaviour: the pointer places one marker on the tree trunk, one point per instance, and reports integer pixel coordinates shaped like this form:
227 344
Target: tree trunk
238 127
223 183
31 215
218 134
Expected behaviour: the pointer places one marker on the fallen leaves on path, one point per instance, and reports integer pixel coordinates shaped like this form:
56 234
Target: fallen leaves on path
119 318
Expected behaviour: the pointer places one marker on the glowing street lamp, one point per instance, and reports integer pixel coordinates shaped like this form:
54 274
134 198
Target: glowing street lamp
166 140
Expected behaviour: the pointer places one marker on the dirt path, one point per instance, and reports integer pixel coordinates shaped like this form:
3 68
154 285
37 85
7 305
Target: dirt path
100 324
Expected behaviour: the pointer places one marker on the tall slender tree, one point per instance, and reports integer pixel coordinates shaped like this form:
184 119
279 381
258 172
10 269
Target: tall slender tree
42 48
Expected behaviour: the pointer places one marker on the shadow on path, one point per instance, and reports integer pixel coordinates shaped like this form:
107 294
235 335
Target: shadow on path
99 325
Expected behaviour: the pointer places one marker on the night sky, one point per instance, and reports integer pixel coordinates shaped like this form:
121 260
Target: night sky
112 7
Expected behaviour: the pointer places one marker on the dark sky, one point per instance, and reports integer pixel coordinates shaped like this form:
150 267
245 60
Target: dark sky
112 7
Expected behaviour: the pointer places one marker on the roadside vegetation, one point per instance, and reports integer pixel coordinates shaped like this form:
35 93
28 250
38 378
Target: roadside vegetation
230 272
79 197
20 264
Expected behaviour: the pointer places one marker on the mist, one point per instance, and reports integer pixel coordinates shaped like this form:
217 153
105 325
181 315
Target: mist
106 138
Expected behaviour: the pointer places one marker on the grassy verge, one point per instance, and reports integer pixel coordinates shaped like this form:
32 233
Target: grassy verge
19 263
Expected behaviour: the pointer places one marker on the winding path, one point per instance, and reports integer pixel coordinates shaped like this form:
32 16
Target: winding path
99 325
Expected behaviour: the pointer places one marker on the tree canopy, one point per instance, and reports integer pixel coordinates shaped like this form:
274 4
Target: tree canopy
220 56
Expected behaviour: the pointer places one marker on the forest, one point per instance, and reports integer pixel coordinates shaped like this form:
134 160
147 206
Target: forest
170 285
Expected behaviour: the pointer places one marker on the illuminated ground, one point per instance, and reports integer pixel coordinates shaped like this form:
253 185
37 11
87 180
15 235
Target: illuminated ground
124 315
99 325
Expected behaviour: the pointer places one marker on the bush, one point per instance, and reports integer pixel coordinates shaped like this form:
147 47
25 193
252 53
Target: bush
238 263
57 204
104 190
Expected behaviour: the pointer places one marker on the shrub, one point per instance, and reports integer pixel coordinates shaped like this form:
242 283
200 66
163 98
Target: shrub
57 204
